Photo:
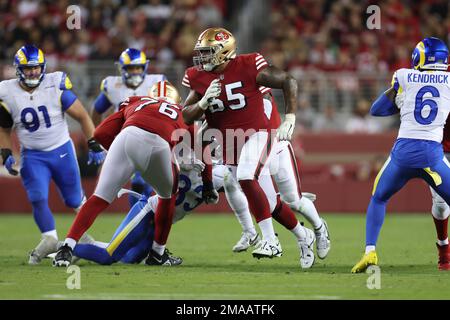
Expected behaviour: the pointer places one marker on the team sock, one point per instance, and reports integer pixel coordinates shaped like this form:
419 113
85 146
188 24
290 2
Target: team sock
163 220
86 217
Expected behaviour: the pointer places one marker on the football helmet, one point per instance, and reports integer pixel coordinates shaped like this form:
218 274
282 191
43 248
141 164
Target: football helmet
136 58
214 47
430 54
166 90
29 56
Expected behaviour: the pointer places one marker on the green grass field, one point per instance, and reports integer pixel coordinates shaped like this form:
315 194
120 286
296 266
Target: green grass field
406 250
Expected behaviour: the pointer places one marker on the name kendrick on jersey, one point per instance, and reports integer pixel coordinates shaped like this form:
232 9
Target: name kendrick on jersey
427 78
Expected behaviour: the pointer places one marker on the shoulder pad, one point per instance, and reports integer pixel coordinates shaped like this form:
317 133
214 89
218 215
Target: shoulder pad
65 83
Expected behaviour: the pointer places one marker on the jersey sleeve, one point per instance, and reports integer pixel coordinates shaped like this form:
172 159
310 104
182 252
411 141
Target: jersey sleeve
257 64
398 84
67 96
108 129
185 81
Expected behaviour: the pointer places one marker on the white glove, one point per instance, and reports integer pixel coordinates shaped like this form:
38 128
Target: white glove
286 129
212 92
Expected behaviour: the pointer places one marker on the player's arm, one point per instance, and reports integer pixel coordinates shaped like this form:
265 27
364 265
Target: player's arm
6 124
196 105
385 104
77 111
275 78
101 104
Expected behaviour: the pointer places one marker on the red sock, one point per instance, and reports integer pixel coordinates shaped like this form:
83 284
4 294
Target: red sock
86 217
284 215
163 219
441 228
257 200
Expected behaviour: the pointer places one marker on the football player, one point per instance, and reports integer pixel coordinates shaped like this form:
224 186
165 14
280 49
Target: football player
229 90
133 81
422 96
35 105
440 212
138 137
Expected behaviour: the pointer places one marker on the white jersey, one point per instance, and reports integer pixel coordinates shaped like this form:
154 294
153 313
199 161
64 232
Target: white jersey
424 101
190 188
117 91
38 116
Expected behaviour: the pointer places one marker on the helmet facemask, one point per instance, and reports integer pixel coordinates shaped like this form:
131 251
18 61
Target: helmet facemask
133 79
30 82
205 58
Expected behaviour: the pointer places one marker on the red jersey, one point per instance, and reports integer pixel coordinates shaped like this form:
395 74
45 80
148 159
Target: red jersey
153 115
446 137
240 104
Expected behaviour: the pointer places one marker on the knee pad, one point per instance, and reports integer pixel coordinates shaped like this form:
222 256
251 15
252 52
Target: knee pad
440 209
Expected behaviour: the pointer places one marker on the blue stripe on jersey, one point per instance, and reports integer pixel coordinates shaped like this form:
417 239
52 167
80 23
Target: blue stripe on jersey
102 103
67 99
416 153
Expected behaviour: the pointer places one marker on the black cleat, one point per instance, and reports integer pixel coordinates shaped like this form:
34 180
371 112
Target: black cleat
63 257
166 259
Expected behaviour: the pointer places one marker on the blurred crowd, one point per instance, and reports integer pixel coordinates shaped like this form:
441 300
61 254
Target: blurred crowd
341 65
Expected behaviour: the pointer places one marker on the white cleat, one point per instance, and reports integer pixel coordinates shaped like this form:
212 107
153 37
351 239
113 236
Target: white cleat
306 249
323 241
246 241
47 246
268 249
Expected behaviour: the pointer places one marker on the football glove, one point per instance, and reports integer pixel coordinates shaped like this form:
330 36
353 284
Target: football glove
211 93
96 153
9 161
209 194
286 129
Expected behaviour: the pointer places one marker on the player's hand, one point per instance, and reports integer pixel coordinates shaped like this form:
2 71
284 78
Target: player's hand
209 194
286 129
9 161
195 165
96 153
211 93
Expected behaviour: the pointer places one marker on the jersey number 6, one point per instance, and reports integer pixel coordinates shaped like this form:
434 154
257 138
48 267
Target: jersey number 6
420 104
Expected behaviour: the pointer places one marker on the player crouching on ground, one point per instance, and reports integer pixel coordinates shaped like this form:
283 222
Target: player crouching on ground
139 137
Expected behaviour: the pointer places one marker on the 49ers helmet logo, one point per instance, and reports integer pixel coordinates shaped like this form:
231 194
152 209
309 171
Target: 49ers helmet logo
221 36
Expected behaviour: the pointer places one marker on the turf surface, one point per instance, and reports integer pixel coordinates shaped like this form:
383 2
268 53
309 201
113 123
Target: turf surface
406 251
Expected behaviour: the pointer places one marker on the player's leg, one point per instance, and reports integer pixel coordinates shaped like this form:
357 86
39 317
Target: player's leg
133 231
284 170
254 158
283 214
438 178
36 179
66 174
139 185
238 203
389 180
117 169
160 170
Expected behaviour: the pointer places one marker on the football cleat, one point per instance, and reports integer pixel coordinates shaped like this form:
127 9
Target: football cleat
322 240
368 259
306 249
63 257
166 259
47 246
268 249
246 241
85 239
444 257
